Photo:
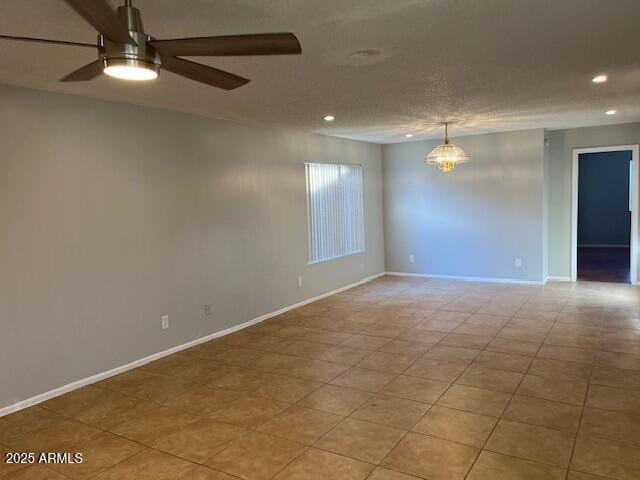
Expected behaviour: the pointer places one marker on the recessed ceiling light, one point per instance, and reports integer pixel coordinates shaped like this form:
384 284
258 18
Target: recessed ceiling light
600 78
610 112
329 118
409 135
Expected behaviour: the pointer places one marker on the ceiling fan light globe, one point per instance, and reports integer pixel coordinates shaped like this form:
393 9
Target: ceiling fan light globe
130 69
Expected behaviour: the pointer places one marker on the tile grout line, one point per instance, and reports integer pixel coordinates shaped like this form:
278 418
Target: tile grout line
445 391
337 424
510 399
586 398
378 392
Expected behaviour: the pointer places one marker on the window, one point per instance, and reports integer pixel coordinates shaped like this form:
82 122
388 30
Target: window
334 204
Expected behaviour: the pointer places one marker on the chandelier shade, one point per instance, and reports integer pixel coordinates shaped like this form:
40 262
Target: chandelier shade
446 155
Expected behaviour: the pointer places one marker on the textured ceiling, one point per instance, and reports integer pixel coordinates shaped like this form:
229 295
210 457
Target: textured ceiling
488 65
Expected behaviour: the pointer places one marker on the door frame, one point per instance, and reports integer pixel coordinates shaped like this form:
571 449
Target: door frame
633 267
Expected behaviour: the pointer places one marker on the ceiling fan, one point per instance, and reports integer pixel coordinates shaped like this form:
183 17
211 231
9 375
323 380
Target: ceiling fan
125 51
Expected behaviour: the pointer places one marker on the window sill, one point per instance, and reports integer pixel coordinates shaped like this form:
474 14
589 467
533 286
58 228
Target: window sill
336 258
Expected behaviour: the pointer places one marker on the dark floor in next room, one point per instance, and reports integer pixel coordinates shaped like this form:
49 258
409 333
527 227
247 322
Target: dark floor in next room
603 264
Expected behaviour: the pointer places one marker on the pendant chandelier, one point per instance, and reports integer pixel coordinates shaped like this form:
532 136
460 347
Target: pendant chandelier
446 155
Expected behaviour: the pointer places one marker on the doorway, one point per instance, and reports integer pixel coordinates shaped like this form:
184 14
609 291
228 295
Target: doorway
604 217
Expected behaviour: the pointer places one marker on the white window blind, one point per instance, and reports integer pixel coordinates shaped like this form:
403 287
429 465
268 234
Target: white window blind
335 206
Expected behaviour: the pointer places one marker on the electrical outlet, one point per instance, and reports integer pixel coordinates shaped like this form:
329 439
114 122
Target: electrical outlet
164 319
411 258
518 262
299 282
207 309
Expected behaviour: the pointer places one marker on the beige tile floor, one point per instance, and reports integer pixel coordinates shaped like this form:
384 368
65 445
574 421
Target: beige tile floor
394 380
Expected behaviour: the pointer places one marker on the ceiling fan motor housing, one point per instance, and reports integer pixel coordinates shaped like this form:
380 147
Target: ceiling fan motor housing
123 54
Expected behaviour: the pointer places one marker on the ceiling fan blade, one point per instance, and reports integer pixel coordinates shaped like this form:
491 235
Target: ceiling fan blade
46 40
99 14
252 44
88 72
202 73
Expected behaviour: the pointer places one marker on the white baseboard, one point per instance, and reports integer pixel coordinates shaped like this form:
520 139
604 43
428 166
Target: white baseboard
557 279
29 402
466 279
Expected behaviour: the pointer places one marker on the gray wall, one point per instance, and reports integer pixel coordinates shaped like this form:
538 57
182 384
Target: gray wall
474 221
112 215
603 199
560 151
